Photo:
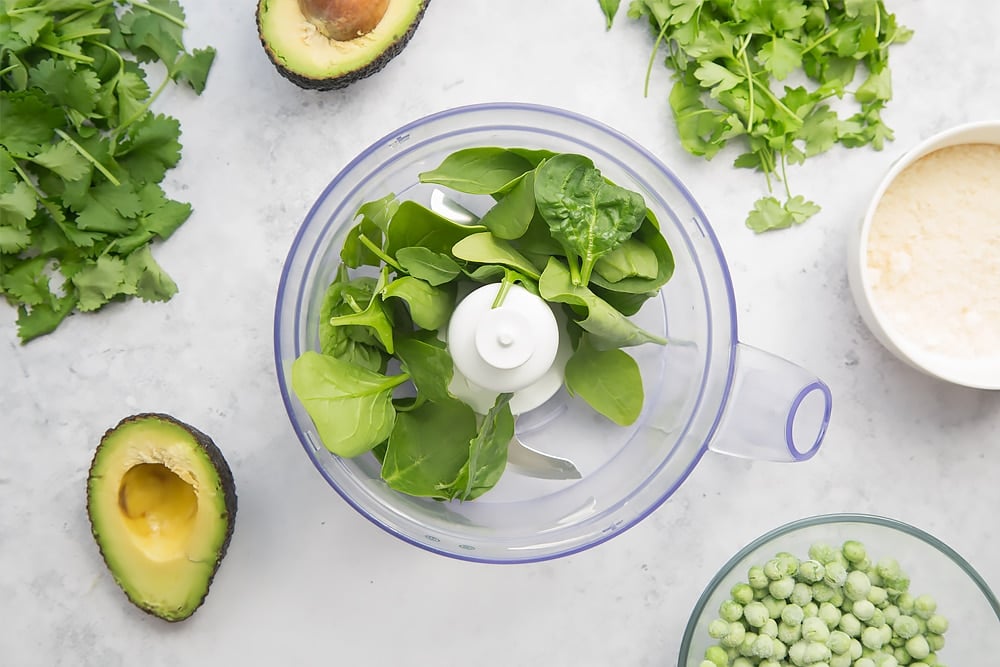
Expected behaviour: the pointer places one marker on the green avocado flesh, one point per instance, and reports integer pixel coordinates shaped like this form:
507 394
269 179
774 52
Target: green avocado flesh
162 503
309 59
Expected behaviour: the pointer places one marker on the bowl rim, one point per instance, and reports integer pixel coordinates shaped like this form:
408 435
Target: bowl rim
704 229
966 373
820 520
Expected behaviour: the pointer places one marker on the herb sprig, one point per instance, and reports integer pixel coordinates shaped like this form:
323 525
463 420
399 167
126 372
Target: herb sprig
729 59
82 155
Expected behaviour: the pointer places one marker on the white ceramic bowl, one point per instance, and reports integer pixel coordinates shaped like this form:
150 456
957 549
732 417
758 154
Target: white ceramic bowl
981 372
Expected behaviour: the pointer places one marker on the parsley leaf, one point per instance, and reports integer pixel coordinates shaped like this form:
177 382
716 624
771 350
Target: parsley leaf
726 57
82 155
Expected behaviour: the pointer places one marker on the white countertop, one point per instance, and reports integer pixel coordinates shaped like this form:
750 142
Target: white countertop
310 581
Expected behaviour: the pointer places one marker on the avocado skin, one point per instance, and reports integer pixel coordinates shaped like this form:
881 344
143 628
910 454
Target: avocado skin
344 80
227 483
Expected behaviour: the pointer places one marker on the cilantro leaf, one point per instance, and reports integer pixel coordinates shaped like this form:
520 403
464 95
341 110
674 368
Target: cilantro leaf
780 57
610 8
99 281
43 318
109 208
63 159
150 148
150 282
28 121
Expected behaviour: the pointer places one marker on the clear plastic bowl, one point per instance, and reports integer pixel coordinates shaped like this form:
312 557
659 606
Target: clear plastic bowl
962 595
689 384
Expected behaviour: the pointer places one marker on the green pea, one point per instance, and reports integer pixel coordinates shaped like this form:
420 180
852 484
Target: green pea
731 610
857 585
756 577
782 588
937 624
717 656
742 593
755 614
918 647
854 551
718 628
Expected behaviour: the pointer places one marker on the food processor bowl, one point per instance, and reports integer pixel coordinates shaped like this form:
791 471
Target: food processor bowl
703 390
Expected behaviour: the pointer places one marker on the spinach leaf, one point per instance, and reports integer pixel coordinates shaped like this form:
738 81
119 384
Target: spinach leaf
478 171
425 359
353 344
430 307
374 315
433 267
375 216
487 452
484 248
428 448
535 156
414 225
351 406
608 380
649 235
509 217
587 215
609 327
632 259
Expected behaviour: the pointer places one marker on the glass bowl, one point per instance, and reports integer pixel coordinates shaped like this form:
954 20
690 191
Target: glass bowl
934 568
689 384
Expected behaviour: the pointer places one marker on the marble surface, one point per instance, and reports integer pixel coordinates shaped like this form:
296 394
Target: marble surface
307 579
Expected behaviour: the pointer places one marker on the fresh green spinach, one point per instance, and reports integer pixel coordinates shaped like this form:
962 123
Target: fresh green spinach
350 406
510 217
587 215
413 225
484 248
478 171
487 452
429 306
608 380
435 268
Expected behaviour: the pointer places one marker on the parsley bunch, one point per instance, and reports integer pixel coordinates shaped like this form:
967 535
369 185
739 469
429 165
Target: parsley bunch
82 155
728 58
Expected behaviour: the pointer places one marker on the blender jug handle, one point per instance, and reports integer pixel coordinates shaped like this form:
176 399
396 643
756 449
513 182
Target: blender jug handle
776 410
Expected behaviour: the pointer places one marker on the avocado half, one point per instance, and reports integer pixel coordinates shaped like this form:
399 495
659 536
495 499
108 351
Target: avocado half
306 56
162 503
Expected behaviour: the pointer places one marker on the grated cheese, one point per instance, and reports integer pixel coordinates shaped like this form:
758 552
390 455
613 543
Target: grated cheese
934 251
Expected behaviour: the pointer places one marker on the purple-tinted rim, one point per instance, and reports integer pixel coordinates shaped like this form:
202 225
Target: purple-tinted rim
704 227
797 453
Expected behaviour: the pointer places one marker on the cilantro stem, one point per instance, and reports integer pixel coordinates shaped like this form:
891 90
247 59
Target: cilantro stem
784 177
368 243
90 158
652 58
69 18
66 54
750 79
159 12
778 103
505 285
143 110
121 61
85 33
819 41
9 68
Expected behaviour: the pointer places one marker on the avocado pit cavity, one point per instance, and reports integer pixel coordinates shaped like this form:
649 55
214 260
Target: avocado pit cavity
344 20
158 508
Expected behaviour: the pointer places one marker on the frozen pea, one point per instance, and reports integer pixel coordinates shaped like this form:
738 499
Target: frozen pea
746 646
731 610
717 656
905 603
762 647
742 662
782 588
707 663
779 650
742 593
756 577
897 585
905 627
774 607
875 577
811 571
789 564
811 609
839 642
936 642
735 635
768 663
863 609
886 635
770 628
901 656
885 660
878 596
772 569
822 592
842 660
871 638
891 613
937 624
829 615
857 650
918 647
896 641
857 585
924 606
718 628
822 552
797 652
789 633
864 662
801 594
854 551
817 652
888 568
792 614
850 624
814 629
878 618
838 597
835 575
759 593
755 614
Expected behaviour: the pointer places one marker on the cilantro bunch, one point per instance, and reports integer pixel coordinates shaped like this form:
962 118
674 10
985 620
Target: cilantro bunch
82 156
765 73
